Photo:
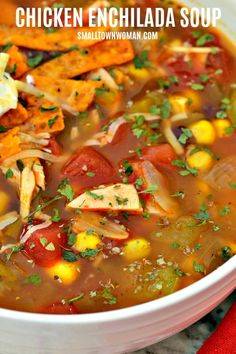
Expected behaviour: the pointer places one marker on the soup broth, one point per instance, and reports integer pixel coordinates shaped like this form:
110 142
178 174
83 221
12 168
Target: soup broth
118 165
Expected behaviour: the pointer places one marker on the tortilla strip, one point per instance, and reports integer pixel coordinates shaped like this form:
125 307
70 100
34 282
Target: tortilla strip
77 94
69 65
17 65
14 117
9 143
39 39
50 121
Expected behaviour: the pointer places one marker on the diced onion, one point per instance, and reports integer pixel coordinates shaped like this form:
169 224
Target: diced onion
33 229
105 77
101 225
171 138
8 219
26 138
161 196
189 50
222 173
30 153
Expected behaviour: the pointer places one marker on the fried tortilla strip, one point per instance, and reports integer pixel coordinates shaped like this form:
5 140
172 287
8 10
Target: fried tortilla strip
39 39
43 116
74 63
14 117
9 143
77 94
17 65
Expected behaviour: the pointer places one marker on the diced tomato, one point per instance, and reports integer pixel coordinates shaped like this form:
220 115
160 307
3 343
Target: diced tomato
54 147
60 309
44 246
88 160
161 155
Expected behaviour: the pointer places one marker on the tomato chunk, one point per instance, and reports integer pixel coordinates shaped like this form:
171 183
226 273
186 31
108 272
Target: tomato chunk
44 246
54 147
60 309
161 155
88 160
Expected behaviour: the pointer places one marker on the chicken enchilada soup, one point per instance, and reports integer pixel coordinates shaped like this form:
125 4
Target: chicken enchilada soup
118 164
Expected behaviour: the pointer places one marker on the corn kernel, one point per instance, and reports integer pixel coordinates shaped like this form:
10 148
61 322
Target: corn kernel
200 160
203 191
178 104
137 249
4 202
220 125
67 272
141 74
204 132
87 241
193 99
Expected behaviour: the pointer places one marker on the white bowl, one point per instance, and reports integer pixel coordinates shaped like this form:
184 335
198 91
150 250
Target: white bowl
127 329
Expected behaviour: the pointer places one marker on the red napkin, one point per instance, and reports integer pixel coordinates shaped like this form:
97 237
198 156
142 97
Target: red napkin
223 340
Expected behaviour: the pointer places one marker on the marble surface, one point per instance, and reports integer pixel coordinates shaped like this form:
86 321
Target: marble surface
188 341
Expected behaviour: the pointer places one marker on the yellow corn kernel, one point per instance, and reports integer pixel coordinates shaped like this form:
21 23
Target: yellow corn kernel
178 104
141 74
87 241
65 271
203 191
232 245
200 160
220 125
193 99
204 132
136 249
4 202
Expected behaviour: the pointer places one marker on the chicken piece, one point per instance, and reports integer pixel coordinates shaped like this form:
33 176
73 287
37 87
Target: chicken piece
27 187
118 197
99 224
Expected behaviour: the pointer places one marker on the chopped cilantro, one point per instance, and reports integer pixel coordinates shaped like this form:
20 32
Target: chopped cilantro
9 173
52 121
165 109
198 267
90 174
178 194
226 253
66 190
108 296
34 61
204 39
3 129
72 300
225 211
89 253
128 168
56 215
151 189
203 215
47 109
186 134
142 61
69 256
94 195
15 249
197 87
34 279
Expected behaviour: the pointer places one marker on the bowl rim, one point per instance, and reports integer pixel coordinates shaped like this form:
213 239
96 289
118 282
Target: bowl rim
175 298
